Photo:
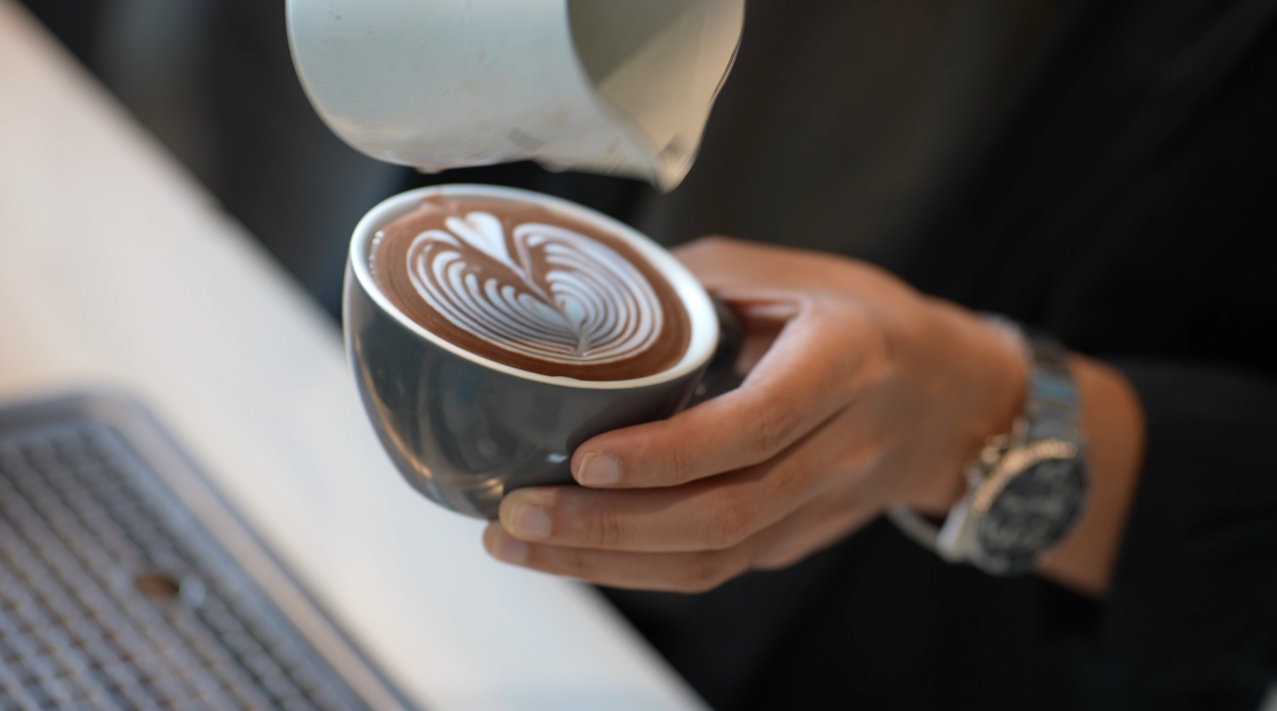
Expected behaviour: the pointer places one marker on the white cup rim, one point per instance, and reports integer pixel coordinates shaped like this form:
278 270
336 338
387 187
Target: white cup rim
696 302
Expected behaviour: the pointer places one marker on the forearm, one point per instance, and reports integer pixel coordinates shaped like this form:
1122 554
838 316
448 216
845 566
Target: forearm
1113 423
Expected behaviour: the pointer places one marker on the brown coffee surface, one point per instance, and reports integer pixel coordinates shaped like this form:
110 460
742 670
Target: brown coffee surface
526 286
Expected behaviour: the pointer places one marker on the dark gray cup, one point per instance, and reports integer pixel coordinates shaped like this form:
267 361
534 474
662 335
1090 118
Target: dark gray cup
464 430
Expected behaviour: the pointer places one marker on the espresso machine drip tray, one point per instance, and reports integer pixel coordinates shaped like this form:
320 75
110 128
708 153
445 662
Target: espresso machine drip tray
114 594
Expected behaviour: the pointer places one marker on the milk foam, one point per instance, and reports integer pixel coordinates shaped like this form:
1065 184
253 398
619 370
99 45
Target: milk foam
558 296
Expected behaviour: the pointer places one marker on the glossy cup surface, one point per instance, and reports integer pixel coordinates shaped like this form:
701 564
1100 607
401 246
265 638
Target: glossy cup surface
462 429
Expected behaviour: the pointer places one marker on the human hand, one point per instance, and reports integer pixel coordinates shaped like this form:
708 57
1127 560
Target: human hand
860 393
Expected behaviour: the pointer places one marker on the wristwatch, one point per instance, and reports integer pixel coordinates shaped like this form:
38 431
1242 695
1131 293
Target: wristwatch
1026 487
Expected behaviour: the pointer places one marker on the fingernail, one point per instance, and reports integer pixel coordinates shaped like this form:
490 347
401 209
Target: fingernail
530 520
511 550
598 469
777 311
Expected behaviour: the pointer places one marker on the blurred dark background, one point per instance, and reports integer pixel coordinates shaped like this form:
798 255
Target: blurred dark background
844 124
850 113
847 126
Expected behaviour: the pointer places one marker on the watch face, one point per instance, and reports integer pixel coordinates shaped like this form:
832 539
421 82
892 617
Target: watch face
1033 511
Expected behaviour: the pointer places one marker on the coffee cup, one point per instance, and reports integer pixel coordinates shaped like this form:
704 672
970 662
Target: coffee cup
464 429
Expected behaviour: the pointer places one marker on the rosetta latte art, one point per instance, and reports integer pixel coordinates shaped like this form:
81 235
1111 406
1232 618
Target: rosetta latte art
546 292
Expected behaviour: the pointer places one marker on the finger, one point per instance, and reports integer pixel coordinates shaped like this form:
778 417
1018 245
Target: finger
762 321
697 517
670 572
817 525
711 514
808 375
722 262
814 527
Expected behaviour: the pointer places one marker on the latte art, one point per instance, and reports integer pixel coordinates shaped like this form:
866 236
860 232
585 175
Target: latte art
558 296
522 285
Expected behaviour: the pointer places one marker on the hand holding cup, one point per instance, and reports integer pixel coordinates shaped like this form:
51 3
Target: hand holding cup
860 393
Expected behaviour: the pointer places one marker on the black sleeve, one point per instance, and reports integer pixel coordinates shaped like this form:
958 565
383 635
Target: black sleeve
1192 615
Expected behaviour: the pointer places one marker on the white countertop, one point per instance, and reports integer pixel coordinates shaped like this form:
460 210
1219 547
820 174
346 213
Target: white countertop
116 269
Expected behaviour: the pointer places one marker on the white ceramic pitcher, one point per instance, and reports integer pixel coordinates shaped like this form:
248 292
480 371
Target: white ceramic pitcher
613 86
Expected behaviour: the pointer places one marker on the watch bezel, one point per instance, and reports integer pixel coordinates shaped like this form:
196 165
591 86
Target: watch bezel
1015 463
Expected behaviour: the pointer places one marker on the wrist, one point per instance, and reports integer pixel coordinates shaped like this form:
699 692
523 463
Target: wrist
986 372
1001 383
1113 423
1027 492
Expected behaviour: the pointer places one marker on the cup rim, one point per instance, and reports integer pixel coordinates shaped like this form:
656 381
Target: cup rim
695 300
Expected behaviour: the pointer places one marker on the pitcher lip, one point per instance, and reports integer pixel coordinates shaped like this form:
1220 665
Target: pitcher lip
695 300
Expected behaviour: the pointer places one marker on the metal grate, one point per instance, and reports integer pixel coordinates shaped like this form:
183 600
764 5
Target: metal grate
113 597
